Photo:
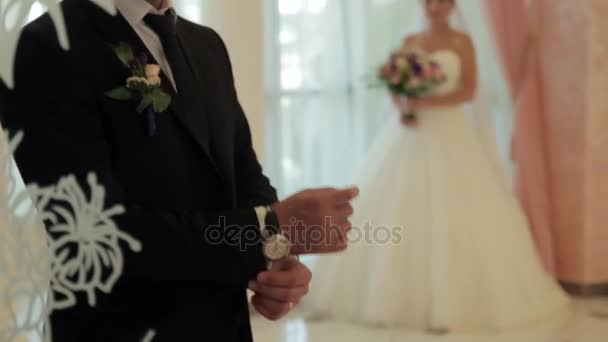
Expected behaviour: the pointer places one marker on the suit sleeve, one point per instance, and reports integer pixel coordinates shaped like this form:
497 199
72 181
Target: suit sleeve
56 108
253 187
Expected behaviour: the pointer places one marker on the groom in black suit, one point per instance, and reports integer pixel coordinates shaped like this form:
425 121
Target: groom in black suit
181 174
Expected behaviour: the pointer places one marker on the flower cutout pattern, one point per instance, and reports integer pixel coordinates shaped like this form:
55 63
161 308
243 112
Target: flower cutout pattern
81 249
41 271
85 241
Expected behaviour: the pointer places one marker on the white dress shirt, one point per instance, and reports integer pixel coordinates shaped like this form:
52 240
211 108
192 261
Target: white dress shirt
134 12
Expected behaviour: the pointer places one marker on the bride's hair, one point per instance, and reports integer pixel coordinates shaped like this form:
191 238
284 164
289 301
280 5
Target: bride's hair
454 4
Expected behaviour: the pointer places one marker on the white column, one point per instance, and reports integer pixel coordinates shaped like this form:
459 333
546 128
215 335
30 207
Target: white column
241 25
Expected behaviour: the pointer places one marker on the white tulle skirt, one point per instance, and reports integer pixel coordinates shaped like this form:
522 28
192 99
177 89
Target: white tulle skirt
450 248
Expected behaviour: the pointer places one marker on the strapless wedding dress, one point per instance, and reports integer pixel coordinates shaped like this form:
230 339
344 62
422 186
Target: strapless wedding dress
452 249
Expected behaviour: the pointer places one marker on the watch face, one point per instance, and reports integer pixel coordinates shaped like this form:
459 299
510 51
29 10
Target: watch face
277 247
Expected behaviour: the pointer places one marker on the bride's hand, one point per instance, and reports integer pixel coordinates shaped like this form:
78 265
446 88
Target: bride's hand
416 105
409 121
399 102
405 106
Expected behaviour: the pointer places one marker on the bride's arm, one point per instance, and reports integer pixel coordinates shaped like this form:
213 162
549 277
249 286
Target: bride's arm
468 84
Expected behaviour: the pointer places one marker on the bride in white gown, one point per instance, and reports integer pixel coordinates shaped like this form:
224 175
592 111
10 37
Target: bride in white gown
464 258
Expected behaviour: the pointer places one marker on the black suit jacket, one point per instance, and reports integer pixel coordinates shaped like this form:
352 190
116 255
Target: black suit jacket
199 171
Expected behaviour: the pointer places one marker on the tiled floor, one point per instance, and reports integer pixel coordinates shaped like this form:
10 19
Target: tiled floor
589 323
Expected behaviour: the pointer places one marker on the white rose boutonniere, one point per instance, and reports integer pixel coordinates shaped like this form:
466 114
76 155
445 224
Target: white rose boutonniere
144 84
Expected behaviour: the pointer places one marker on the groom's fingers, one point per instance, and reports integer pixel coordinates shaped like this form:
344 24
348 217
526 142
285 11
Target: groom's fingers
345 210
342 227
281 294
344 223
338 234
344 196
269 308
331 239
287 273
287 281
282 279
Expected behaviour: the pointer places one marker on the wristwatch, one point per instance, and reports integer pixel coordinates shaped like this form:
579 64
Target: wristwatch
275 244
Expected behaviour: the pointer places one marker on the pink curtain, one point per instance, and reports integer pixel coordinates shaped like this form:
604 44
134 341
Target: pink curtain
513 24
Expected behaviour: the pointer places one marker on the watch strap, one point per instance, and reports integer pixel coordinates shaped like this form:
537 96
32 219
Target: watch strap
271 222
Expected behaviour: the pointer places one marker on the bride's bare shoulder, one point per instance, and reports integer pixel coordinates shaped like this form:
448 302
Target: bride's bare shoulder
462 41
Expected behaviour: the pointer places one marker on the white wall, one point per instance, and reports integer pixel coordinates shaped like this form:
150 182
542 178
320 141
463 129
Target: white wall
240 23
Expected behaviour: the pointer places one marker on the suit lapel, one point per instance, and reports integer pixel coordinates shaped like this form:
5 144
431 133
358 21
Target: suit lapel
191 106
187 109
187 104
204 124
207 75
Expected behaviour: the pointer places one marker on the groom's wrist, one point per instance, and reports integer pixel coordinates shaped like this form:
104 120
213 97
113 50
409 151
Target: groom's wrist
267 219
275 243
282 215
272 220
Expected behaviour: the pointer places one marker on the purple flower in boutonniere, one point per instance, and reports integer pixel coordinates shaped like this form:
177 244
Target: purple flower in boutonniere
143 85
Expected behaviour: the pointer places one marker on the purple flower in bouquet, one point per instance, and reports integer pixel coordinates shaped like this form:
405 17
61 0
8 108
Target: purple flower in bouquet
415 65
411 73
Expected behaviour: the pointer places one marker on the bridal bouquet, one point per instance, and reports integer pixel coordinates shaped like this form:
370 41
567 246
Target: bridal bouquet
411 73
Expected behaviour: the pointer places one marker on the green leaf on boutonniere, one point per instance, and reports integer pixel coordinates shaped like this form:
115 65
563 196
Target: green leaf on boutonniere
121 93
124 53
160 100
146 102
139 87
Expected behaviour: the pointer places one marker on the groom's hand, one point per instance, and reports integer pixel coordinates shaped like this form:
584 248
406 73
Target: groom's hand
317 220
278 290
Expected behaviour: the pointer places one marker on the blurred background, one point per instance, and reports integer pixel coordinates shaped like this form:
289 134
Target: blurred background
303 69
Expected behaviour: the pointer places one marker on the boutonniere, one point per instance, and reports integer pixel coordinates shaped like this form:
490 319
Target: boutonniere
143 85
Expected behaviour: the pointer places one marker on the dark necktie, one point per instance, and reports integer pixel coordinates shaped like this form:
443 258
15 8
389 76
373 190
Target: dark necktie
188 94
165 27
